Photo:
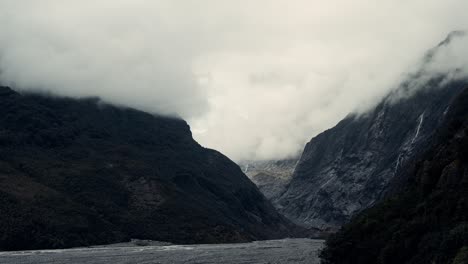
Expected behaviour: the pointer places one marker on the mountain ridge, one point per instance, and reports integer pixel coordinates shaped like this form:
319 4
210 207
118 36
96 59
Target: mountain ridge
270 176
424 220
77 172
349 167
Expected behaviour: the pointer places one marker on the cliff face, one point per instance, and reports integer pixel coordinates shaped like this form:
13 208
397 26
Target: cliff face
427 221
270 176
80 172
350 166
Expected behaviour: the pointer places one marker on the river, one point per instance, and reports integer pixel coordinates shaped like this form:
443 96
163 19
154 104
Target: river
259 252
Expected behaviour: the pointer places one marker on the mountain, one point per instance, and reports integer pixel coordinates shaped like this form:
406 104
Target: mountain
427 220
83 172
270 176
349 167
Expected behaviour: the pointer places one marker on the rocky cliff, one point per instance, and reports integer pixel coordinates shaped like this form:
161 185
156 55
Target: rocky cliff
427 220
82 172
270 176
350 166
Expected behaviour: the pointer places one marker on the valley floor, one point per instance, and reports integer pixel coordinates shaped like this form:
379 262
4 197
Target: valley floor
271 251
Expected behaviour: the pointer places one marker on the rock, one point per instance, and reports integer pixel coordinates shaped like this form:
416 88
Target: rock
349 167
270 176
426 220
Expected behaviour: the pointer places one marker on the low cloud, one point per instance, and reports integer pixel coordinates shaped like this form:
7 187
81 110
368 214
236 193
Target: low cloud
255 79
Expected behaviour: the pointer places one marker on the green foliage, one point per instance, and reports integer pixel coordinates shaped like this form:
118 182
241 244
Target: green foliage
462 256
80 172
425 223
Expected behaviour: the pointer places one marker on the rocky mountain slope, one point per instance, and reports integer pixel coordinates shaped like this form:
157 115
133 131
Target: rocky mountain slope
270 176
349 167
81 172
427 221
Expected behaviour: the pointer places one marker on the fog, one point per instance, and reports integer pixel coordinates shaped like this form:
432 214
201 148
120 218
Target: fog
254 79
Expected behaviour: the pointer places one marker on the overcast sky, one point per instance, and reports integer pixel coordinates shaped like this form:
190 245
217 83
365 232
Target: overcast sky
255 79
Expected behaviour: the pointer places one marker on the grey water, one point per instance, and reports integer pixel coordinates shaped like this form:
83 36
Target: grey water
259 252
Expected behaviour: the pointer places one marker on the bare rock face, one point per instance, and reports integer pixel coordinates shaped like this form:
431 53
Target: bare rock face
270 176
349 167
426 220
81 172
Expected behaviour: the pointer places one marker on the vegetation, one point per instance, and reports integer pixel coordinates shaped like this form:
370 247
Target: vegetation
80 172
425 223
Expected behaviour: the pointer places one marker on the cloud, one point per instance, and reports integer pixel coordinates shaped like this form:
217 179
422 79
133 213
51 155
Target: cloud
446 62
120 50
255 79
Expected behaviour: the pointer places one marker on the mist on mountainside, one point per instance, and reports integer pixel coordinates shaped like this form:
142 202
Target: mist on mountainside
255 81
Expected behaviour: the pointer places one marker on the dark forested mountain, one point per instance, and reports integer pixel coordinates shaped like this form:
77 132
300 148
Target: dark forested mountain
427 221
81 172
349 167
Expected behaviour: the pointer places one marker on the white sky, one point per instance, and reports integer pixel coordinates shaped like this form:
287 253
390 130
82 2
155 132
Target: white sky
255 79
